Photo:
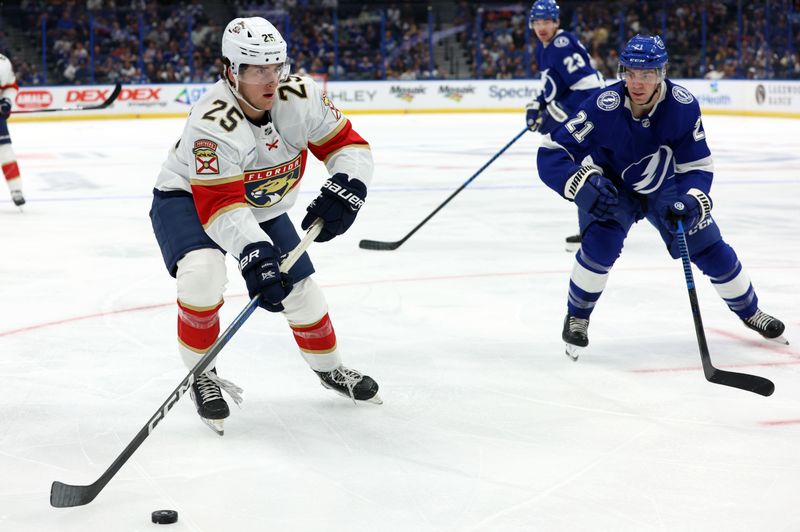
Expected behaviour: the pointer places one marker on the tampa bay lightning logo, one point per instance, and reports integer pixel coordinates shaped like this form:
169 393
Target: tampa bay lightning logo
651 171
679 206
681 94
561 42
608 101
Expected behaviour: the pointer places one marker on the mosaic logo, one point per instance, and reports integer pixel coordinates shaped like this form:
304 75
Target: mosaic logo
406 94
455 93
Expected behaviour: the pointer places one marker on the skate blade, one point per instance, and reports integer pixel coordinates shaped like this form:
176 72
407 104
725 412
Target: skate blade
779 339
573 351
217 425
572 248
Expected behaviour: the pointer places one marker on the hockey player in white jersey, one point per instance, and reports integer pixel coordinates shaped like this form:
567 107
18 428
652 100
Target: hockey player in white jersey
8 161
226 187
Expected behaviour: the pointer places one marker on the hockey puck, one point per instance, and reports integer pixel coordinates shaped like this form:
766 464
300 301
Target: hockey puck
164 517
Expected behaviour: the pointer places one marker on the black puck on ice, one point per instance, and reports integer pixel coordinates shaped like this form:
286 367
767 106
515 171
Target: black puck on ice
164 517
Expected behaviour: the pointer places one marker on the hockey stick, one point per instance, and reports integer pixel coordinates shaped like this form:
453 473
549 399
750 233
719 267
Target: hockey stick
105 103
68 495
743 381
380 245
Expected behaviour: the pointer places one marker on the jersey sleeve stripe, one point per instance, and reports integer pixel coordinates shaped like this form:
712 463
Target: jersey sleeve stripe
706 164
357 146
345 137
215 182
222 211
332 134
212 201
9 86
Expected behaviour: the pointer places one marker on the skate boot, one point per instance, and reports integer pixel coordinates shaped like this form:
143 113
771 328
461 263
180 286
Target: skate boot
573 243
207 397
576 335
767 326
350 383
18 198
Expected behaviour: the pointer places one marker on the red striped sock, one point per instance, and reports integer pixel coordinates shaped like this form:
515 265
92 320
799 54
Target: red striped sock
198 329
318 338
11 170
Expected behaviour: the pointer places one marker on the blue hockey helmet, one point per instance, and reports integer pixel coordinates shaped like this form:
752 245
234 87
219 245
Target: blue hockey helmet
644 52
544 10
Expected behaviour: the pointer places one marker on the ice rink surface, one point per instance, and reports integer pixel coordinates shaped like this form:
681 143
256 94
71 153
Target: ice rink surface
486 425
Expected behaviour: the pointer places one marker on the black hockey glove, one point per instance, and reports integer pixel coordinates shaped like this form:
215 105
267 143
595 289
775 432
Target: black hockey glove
592 192
690 208
5 107
337 204
259 266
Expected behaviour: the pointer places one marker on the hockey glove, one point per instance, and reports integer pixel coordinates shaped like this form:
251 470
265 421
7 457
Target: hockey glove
692 208
535 114
5 107
259 266
592 192
337 204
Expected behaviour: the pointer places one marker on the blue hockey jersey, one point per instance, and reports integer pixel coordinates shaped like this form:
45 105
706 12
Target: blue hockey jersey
567 71
664 149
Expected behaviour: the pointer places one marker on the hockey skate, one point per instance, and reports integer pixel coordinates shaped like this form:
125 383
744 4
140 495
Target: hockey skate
18 198
767 326
207 397
573 243
351 384
576 335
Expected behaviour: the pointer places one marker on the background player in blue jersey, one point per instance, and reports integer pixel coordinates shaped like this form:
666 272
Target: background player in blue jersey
567 73
638 150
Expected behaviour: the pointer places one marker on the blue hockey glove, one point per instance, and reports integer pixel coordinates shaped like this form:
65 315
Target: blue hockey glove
337 204
691 208
592 192
5 107
259 266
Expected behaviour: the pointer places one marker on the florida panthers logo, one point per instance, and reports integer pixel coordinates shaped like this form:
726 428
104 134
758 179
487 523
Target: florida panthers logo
268 186
651 171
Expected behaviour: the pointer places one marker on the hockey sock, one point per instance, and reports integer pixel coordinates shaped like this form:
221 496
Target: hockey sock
198 328
11 172
317 343
720 263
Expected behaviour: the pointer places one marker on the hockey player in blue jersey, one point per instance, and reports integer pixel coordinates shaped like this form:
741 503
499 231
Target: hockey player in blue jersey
638 150
567 73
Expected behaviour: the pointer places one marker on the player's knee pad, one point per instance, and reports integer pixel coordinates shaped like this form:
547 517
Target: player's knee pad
201 278
717 260
305 304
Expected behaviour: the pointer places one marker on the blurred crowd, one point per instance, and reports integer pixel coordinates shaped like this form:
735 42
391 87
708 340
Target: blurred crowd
145 41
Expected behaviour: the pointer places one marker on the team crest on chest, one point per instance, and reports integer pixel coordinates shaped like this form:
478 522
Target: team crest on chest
205 157
268 186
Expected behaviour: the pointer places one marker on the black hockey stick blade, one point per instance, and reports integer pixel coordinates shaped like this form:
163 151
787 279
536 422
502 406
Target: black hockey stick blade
743 381
378 245
102 105
66 495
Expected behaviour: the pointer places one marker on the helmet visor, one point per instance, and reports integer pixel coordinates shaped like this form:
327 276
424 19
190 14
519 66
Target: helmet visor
636 75
263 74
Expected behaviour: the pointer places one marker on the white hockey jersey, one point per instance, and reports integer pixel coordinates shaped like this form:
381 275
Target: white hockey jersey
241 174
8 82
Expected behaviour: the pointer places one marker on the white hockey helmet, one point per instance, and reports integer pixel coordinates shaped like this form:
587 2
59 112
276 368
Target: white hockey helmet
254 41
